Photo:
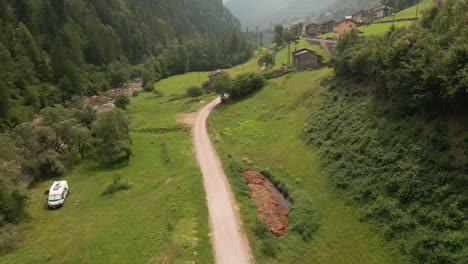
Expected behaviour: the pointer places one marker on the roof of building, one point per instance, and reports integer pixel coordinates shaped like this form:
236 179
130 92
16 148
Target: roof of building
302 51
360 12
217 72
378 7
345 20
312 24
328 21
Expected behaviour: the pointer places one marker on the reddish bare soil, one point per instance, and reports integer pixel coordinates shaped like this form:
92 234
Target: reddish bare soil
270 208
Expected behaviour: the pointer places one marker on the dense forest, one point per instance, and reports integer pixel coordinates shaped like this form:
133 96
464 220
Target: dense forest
51 50
392 128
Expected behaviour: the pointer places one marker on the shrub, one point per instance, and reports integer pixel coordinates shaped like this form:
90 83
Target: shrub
303 218
194 92
116 185
149 87
273 74
10 235
245 84
121 101
268 248
135 93
236 167
261 229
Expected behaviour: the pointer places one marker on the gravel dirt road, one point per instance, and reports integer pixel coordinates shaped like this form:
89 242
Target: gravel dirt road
229 242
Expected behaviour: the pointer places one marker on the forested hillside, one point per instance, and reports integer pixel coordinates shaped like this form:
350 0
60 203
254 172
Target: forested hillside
393 127
51 50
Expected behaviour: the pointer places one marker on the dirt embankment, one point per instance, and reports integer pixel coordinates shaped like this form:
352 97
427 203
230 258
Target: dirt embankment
270 207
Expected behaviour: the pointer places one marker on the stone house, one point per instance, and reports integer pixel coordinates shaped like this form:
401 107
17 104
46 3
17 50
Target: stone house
212 78
312 29
327 26
342 27
304 59
360 16
379 11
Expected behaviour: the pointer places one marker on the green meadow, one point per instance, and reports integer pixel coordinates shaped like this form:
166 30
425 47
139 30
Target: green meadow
162 219
264 131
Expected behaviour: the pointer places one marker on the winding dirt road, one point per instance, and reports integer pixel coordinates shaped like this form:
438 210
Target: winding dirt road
229 243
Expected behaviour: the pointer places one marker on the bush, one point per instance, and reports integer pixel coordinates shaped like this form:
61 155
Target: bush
149 87
236 167
303 218
194 92
135 93
116 185
269 248
13 198
245 84
261 229
122 101
273 74
10 235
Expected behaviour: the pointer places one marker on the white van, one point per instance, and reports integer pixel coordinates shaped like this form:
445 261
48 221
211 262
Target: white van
57 194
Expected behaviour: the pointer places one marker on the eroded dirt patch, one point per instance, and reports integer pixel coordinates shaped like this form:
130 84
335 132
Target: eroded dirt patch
187 118
270 207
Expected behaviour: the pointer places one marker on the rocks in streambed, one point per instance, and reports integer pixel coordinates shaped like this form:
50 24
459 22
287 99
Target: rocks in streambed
270 207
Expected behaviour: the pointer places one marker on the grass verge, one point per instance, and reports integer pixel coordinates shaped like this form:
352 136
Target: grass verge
264 130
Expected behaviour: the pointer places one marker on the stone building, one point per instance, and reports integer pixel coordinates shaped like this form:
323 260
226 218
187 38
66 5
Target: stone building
304 59
360 16
312 29
327 26
342 27
378 11
213 77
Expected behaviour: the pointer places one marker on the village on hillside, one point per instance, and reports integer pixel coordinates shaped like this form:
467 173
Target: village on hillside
361 17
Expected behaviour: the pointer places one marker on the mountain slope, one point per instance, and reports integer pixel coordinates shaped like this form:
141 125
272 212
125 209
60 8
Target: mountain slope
52 50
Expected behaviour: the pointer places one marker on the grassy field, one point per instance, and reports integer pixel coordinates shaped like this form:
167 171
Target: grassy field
162 219
264 130
179 84
410 12
381 29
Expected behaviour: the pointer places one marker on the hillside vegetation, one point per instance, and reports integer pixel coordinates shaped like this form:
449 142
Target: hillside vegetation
52 50
385 133
401 150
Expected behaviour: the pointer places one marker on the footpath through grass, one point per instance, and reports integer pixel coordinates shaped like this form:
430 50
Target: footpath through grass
162 219
264 130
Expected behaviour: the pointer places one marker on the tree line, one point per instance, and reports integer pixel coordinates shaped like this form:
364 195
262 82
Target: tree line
51 50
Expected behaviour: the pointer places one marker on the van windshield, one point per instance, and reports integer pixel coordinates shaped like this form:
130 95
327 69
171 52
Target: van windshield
53 198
